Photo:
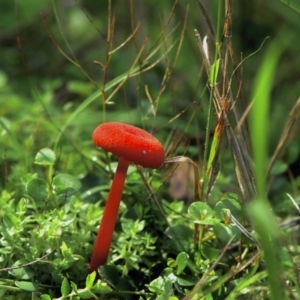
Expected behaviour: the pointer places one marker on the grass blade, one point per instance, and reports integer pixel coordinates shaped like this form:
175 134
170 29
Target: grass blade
260 210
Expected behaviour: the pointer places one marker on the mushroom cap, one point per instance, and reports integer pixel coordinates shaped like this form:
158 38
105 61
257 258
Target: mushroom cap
131 143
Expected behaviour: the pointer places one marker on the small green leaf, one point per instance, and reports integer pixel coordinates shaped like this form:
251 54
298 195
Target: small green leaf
89 282
45 157
73 286
226 232
25 273
66 252
65 287
64 248
45 297
21 206
5 124
187 280
209 251
157 285
110 274
65 184
201 213
169 274
85 294
10 220
213 74
231 204
181 261
37 189
131 227
171 262
27 286
168 287
208 297
181 237
279 167
101 288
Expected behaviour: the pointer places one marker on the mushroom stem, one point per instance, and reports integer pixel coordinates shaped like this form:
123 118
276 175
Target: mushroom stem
105 233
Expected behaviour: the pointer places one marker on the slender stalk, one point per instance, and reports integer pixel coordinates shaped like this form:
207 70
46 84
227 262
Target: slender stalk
107 226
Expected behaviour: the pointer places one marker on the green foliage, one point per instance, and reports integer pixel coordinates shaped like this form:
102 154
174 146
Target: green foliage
224 236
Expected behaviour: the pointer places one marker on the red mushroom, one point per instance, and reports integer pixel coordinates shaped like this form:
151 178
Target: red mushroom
131 145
